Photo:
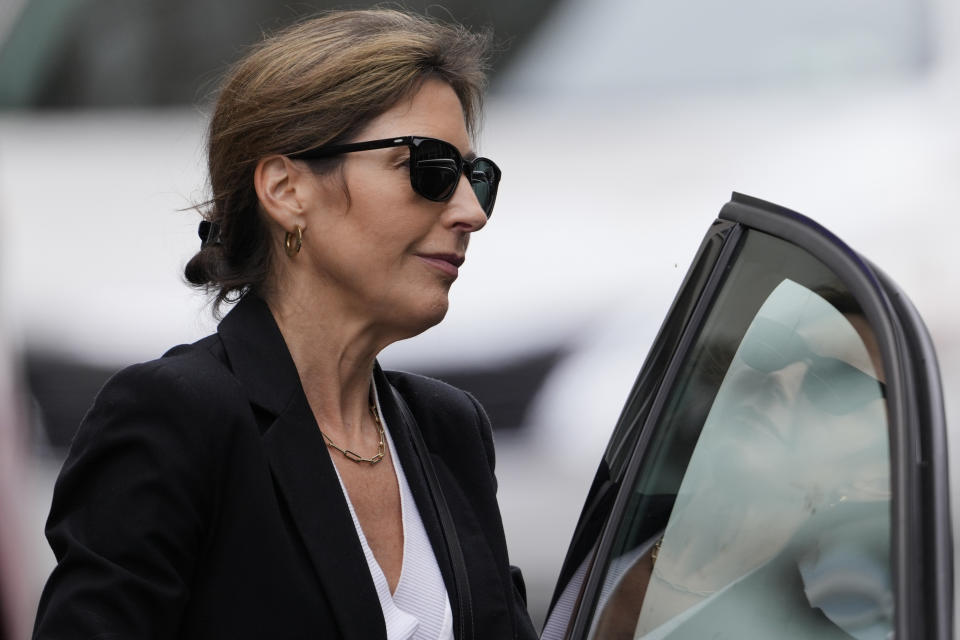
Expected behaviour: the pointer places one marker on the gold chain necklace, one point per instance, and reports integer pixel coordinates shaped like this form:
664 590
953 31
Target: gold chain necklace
355 457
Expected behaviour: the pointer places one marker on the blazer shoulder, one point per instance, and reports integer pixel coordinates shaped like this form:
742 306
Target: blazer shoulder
202 367
188 386
204 363
429 395
442 410
416 387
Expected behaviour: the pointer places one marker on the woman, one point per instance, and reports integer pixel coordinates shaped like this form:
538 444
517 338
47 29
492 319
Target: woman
270 481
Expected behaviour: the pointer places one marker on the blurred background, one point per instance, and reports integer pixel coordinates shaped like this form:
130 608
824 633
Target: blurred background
621 126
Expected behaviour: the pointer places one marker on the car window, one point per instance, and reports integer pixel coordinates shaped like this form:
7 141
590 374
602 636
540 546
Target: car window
762 508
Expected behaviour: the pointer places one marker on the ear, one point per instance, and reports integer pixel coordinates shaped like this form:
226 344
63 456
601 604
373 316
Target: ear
281 190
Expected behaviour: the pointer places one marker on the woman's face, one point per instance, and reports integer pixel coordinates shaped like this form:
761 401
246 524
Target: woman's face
381 253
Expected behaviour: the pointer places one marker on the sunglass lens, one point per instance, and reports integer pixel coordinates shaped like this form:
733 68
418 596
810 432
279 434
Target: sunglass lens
483 178
434 169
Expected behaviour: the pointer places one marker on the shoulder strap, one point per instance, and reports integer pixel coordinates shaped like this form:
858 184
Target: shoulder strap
464 601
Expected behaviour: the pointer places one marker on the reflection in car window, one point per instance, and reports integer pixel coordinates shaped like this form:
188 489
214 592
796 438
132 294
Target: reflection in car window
762 507
794 442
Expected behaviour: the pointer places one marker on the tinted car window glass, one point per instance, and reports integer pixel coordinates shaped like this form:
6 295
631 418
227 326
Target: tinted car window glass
762 506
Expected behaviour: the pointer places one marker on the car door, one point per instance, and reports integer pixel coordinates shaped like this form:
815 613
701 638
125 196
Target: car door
779 468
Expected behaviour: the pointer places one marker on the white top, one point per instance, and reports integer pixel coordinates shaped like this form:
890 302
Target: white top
419 609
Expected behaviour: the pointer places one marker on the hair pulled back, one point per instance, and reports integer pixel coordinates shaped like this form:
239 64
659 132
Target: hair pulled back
315 83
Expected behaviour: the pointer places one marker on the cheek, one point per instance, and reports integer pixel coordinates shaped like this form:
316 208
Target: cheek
389 253
378 185
389 221
364 240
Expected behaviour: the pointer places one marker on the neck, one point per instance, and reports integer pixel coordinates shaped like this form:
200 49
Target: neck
334 352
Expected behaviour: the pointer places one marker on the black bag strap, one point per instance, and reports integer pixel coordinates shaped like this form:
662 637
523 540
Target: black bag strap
464 601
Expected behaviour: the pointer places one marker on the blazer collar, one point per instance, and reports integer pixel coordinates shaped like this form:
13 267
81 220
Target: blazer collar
258 354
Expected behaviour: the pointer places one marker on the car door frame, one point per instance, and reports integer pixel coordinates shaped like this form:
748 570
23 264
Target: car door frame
921 535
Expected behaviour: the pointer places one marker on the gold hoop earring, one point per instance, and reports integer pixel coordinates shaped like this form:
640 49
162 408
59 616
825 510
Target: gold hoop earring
293 241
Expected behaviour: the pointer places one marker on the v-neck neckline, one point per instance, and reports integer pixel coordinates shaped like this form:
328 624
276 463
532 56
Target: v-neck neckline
375 569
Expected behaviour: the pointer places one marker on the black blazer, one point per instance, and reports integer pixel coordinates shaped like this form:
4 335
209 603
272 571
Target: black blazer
199 501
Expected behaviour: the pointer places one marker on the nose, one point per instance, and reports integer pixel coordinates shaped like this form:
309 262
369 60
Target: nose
463 210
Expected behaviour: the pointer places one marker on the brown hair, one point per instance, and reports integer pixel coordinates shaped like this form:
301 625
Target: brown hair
315 83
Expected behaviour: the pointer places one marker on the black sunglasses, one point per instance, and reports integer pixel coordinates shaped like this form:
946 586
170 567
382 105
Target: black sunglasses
435 167
835 386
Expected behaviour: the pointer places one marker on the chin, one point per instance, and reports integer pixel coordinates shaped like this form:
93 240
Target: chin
427 315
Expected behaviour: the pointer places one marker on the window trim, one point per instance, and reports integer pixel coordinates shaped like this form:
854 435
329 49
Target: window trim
929 488
718 274
620 449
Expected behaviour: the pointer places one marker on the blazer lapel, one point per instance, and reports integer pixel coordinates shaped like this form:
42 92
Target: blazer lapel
307 480
418 484
305 477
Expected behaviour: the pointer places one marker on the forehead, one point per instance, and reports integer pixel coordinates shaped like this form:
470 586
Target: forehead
433 110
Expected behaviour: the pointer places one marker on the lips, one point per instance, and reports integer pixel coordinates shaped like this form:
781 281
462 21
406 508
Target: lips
447 263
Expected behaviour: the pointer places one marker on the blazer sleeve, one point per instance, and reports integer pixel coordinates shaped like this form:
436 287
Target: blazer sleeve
130 510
